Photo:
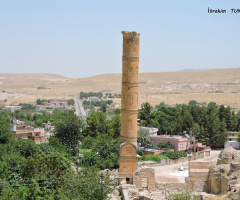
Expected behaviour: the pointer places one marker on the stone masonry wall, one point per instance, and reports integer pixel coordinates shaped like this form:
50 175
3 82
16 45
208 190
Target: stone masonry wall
145 173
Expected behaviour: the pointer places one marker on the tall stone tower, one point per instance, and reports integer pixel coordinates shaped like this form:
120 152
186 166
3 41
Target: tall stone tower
129 107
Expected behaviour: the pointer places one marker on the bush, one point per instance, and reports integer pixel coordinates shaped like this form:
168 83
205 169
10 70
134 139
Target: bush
89 159
165 145
184 196
88 142
70 102
150 157
174 154
140 151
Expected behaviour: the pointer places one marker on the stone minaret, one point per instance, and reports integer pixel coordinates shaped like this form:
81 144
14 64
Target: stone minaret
129 107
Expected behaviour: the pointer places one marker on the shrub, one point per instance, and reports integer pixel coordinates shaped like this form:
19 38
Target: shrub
174 154
150 157
89 159
165 145
188 195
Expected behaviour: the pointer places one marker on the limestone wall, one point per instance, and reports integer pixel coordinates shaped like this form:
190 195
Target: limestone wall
218 181
145 178
199 175
171 187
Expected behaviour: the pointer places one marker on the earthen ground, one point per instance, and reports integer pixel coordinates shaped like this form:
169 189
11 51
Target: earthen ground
171 173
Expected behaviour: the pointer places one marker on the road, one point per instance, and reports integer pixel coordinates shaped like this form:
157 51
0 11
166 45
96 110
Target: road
80 112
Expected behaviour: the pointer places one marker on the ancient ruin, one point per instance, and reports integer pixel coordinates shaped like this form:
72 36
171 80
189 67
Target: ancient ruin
205 177
222 178
129 105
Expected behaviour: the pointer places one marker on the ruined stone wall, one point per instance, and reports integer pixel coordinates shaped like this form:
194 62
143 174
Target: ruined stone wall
227 156
199 175
144 174
218 182
171 187
200 165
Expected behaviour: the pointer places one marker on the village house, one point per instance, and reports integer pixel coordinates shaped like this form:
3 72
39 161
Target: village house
114 105
149 130
58 102
232 140
12 107
29 133
94 99
180 143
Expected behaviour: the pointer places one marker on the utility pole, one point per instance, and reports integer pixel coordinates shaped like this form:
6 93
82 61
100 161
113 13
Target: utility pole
101 186
190 149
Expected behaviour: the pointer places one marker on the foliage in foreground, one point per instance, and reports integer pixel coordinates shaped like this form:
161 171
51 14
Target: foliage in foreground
86 185
105 152
68 131
43 171
188 195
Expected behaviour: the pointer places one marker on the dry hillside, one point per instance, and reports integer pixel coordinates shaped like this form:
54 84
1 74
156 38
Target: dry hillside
221 86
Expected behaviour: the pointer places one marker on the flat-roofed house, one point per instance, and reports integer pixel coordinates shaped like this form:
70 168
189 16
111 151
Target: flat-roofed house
29 133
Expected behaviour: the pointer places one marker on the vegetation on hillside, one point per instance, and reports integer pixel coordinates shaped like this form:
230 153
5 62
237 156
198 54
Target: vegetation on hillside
91 94
43 171
100 95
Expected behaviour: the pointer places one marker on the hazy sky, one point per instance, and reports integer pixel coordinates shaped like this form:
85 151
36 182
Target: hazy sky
77 38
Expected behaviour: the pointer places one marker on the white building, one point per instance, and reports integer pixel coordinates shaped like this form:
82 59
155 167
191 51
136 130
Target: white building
234 144
149 130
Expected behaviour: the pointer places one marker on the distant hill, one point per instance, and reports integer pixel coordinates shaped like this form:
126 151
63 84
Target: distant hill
192 70
221 86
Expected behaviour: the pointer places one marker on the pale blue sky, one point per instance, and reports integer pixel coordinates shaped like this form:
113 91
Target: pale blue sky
76 38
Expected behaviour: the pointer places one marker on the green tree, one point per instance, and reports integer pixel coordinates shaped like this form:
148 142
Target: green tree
108 150
5 133
216 129
69 131
96 124
117 111
103 107
234 122
187 118
165 119
89 159
221 136
192 103
45 165
114 126
87 142
70 102
166 145
144 139
86 185
144 113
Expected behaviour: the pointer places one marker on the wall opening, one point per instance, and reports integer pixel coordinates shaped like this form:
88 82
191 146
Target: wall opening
144 182
127 180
